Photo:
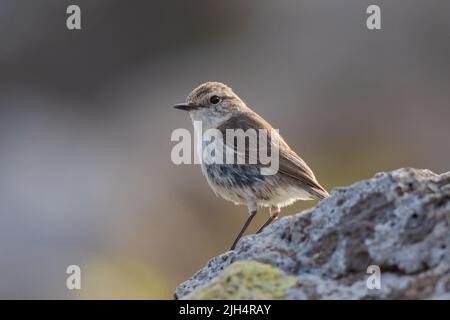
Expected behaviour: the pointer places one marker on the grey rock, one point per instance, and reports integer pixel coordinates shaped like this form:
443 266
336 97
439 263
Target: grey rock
399 221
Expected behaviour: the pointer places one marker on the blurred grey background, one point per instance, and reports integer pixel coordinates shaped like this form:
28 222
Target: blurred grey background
86 118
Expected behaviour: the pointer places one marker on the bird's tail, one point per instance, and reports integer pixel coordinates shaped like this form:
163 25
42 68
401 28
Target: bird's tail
320 194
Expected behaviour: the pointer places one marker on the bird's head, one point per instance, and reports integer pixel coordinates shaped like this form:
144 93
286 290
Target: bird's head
212 103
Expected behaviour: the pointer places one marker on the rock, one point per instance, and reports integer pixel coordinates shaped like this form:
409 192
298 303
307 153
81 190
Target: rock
246 279
398 221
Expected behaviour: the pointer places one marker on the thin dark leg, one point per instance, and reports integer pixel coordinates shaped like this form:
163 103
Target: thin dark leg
246 224
272 218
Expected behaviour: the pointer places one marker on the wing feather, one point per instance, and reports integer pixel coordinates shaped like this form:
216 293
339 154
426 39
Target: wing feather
290 164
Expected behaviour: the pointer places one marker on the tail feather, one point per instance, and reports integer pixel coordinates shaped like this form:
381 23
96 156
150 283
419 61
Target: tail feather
319 194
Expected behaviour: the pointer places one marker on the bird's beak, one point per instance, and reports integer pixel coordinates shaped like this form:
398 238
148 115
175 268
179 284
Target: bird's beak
186 106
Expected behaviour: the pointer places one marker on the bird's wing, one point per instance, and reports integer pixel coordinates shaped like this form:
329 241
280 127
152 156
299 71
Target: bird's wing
290 164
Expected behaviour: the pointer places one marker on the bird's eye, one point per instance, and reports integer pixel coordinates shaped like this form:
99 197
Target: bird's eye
214 99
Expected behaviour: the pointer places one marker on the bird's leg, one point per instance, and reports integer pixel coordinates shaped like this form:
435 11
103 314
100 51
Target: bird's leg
252 210
274 212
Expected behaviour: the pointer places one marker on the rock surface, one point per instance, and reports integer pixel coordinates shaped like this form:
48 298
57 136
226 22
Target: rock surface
246 279
398 221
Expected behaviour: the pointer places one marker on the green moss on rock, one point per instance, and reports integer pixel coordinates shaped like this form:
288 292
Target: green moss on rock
246 279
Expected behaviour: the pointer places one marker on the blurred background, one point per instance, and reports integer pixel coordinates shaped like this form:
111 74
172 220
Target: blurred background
86 118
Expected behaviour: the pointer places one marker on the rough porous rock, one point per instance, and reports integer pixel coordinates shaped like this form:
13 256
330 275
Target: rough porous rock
399 221
246 279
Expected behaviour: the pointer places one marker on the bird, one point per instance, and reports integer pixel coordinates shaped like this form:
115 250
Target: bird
217 107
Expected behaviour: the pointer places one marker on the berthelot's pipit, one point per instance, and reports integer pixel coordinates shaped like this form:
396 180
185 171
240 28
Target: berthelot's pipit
218 107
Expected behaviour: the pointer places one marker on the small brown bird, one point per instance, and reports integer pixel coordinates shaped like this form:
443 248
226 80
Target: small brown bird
218 107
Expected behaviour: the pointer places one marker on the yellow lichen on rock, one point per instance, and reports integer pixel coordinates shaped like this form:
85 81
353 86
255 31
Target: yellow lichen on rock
246 279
